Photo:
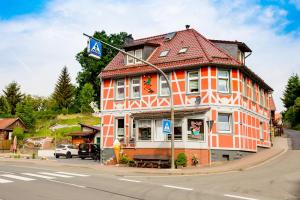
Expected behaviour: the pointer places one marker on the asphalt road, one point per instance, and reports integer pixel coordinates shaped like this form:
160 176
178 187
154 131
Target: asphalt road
277 179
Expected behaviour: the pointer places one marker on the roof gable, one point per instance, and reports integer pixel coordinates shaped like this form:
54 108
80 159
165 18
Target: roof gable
7 122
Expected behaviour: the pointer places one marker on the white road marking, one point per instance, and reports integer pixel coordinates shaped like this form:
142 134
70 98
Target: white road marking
73 174
129 180
38 175
176 187
4 181
18 177
54 174
239 197
71 184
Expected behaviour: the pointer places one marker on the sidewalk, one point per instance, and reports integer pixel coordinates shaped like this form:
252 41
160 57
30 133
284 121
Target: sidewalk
280 146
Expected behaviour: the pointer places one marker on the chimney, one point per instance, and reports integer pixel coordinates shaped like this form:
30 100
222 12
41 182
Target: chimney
128 39
187 26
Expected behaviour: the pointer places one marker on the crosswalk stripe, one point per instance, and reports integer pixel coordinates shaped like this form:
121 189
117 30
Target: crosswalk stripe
73 174
54 174
4 181
18 177
38 175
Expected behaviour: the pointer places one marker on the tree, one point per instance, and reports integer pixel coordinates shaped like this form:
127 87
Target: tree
64 90
4 106
92 67
86 97
25 111
13 95
291 92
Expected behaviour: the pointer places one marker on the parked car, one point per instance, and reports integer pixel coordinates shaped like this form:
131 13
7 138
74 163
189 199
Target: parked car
89 150
67 150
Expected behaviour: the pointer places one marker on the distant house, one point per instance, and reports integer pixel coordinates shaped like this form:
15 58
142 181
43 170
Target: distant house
7 126
87 134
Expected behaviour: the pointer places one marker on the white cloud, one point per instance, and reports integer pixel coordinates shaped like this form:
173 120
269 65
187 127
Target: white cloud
34 48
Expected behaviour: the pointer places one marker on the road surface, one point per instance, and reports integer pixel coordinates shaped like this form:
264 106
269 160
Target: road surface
277 179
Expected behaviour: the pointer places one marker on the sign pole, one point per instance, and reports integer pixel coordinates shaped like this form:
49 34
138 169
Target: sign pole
170 89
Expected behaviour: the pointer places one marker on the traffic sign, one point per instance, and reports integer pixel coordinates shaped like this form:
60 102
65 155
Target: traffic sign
94 48
166 125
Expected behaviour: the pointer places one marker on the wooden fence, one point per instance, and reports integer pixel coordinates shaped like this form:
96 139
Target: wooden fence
5 144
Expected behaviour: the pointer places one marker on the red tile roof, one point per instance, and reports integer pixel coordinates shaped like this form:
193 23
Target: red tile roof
200 51
6 122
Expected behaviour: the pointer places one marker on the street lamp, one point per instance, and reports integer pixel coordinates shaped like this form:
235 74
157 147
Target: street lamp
210 124
170 89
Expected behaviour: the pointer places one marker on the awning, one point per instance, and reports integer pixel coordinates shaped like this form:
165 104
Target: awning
166 113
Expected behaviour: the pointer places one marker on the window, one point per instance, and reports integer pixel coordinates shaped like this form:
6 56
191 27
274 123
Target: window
253 92
130 60
177 130
159 135
223 81
195 129
163 87
261 98
120 129
265 99
224 122
135 88
244 86
138 54
144 130
193 82
133 130
120 89
183 50
164 53
261 130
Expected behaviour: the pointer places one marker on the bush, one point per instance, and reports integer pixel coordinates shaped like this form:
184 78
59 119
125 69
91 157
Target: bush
33 156
19 133
124 160
181 160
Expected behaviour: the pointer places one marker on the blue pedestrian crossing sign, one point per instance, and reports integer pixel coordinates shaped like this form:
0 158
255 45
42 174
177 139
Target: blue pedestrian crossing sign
166 126
94 48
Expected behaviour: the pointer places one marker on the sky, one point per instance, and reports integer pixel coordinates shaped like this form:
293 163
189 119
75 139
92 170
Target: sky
39 37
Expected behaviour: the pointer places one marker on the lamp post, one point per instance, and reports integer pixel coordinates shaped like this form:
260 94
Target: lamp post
210 124
170 89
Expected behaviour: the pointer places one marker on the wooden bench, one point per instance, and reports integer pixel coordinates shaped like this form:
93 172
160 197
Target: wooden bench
151 161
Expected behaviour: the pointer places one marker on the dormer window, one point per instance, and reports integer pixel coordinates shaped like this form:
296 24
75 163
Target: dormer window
183 50
137 53
164 53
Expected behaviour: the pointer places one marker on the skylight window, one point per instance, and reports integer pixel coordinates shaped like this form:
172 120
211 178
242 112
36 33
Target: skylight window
183 50
164 53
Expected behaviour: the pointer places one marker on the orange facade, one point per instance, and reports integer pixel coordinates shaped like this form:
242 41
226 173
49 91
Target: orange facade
245 105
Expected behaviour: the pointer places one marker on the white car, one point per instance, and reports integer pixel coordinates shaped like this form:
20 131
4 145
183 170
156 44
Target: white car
67 150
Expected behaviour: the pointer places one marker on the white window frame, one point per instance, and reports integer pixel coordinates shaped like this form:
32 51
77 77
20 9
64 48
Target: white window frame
160 84
230 131
192 79
261 130
261 97
164 53
117 87
244 86
183 50
141 57
224 78
132 85
253 92
130 58
116 129
138 127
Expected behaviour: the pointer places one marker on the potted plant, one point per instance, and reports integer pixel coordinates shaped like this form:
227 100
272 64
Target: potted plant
181 160
195 161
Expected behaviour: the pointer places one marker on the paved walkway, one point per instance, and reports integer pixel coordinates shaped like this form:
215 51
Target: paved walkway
266 155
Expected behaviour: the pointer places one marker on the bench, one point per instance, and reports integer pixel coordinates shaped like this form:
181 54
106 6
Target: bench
151 161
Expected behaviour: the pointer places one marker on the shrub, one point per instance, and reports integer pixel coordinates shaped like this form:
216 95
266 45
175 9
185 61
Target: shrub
124 159
181 160
33 156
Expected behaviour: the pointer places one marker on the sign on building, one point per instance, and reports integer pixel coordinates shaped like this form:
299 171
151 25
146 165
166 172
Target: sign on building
166 126
94 48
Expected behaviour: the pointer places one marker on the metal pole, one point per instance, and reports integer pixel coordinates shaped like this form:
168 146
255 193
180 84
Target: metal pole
170 89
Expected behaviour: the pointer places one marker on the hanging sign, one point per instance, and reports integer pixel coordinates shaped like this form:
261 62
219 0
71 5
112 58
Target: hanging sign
94 48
